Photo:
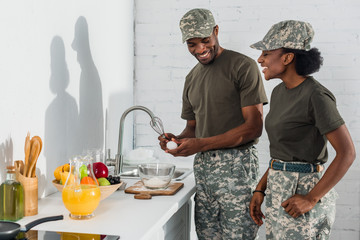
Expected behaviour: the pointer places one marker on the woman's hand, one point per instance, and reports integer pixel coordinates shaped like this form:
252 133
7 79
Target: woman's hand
255 208
341 140
298 205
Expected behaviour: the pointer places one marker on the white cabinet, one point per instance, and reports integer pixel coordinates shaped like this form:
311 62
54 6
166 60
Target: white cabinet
178 226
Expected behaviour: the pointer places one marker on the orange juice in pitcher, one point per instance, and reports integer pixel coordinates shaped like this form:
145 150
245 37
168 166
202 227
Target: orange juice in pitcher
83 202
81 199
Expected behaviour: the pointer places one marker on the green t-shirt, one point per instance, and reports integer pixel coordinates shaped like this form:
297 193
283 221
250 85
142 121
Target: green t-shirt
298 120
215 93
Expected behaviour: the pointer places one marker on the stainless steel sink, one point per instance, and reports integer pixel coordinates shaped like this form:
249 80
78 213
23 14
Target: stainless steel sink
180 173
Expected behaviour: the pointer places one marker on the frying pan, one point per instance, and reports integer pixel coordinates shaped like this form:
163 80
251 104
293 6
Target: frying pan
9 230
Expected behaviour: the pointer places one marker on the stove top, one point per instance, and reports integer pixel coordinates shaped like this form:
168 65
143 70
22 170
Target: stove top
50 235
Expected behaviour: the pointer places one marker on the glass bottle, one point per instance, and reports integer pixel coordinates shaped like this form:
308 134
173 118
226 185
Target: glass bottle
81 192
11 197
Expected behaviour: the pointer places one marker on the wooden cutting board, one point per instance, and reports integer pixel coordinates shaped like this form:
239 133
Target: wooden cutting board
139 187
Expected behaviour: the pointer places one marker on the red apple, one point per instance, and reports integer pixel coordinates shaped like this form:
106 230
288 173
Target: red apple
100 170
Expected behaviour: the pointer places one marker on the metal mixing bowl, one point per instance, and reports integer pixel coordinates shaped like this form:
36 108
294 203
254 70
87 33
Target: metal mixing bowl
156 175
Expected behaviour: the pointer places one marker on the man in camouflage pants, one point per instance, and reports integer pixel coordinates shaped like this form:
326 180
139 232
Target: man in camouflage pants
223 101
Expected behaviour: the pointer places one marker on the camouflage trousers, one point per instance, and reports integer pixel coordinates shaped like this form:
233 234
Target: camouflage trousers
315 224
225 180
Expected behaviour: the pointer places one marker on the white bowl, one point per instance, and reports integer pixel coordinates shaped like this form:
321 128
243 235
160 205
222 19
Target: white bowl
156 175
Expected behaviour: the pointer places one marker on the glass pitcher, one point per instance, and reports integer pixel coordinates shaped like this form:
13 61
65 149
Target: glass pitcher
81 192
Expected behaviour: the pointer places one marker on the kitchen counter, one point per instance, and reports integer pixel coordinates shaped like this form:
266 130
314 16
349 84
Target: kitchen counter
119 214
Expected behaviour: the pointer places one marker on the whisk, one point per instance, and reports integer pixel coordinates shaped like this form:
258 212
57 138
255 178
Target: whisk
157 125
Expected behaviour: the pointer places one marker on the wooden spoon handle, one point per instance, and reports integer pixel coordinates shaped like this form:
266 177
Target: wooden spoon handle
19 165
37 156
27 153
32 173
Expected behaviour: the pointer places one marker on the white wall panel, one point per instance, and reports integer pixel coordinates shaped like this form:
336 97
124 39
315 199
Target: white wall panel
63 64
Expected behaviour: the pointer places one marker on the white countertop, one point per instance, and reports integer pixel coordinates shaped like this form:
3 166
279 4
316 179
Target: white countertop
119 214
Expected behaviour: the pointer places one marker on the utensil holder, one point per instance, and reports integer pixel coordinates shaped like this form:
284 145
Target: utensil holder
30 186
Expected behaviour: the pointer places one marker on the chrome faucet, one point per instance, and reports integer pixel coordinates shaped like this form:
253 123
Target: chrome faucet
118 161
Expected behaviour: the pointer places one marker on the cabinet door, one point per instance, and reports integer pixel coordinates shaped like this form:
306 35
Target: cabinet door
178 226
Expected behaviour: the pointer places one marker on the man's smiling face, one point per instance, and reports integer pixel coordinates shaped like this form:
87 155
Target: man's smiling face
205 50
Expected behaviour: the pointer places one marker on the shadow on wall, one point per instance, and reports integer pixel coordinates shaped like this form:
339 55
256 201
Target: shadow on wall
91 118
70 131
6 157
61 116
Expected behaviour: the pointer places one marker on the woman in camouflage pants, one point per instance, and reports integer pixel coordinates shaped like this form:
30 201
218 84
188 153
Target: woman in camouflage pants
300 199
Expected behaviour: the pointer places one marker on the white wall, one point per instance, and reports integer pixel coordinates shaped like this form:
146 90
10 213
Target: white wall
162 62
63 65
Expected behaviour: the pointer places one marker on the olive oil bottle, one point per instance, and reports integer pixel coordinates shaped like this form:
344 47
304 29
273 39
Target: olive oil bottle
11 197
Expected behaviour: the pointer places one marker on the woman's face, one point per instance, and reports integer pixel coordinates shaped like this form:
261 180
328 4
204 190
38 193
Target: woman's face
273 62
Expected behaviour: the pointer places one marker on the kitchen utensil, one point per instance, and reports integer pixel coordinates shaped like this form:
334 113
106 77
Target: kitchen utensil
19 165
30 185
9 230
36 146
156 175
158 126
139 188
27 153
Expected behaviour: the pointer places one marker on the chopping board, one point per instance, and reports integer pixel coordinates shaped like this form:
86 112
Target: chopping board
139 188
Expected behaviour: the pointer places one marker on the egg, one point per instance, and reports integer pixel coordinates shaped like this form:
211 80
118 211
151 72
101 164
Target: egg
171 145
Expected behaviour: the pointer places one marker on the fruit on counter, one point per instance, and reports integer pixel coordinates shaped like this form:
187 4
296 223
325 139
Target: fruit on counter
66 167
83 171
88 180
103 182
100 170
57 172
64 176
113 179
60 169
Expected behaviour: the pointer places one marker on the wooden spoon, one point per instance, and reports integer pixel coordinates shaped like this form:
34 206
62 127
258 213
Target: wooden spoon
36 146
19 165
37 138
37 156
27 153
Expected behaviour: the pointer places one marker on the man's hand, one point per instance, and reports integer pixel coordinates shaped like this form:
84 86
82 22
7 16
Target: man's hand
298 205
186 147
163 141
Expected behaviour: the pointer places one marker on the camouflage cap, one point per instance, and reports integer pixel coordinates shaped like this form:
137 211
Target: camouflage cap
197 23
287 34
